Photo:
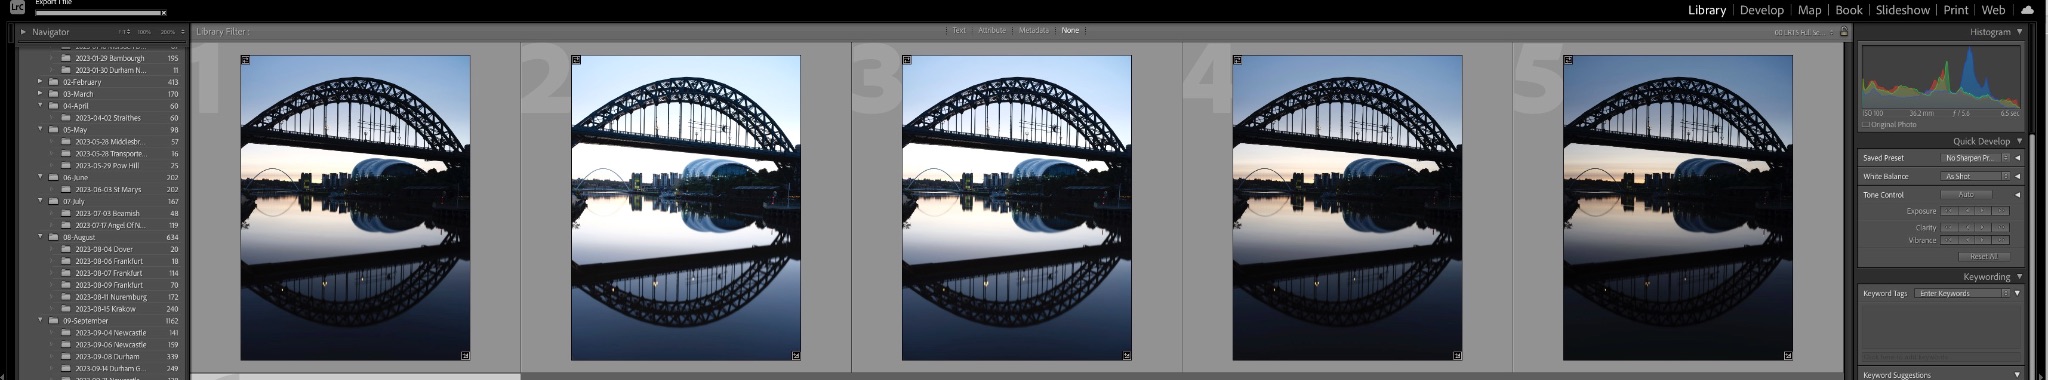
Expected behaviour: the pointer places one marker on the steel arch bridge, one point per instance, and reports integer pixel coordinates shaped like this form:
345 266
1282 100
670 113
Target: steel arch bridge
691 115
1347 290
1015 290
1684 115
1023 115
1678 290
1352 115
362 115
355 290
661 291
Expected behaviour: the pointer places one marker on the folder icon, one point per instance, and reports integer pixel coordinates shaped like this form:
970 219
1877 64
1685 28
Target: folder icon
64 58
64 285
64 70
64 356
64 344
65 249
65 273
64 189
64 153
64 297
53 93
64 140
53 237
64 308
53 128
53 105
64 165
64 368
64 213
64 225
53 320
64 117
53 177
65 260
53 81
53 201
63 332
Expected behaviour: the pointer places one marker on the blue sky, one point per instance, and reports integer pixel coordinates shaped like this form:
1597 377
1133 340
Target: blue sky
1103 81
1433 81
441 81
771 81
1765 81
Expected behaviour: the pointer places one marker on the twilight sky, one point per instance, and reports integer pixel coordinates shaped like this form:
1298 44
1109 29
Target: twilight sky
1103 81
771 81
441 81
1433 81
1764 81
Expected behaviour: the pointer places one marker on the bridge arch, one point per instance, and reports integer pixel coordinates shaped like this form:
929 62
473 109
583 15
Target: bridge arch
988 299
1060 104
715 96
252 179
1348 296
1635 297
586 177
1376 95
400 104
1582 174
334 299
636 297
1714 99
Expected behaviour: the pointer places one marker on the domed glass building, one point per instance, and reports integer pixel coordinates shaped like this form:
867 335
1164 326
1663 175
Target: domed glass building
1045 167
1706 167
1369 167
703 167
376 167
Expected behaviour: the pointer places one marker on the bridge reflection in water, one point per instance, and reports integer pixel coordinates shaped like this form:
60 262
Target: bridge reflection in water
676 280
326 279
1002 280
1320 279
1650 279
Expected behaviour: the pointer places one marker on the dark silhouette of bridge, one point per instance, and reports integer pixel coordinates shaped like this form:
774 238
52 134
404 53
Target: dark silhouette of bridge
1351 115
1683 115
690 115
1030 288
699 288
356 290
361 115
1022 115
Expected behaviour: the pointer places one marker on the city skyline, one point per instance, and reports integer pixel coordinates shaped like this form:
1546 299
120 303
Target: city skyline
1435 82
442 82
1764 81
771 81
1102 81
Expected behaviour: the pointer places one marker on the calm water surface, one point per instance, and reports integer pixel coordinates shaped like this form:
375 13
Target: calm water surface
1345 309
963 317
283 229
739 300
1757 325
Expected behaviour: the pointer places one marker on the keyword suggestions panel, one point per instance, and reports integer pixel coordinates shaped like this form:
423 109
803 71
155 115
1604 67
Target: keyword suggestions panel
99 134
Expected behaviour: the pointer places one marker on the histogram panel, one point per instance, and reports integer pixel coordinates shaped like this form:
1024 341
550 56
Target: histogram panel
1940 77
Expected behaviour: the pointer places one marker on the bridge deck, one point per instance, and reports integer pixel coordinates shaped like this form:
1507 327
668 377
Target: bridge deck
268 136
264 273
1667 144
601 272
1302 267
926 136
646 141
1305 141
934 272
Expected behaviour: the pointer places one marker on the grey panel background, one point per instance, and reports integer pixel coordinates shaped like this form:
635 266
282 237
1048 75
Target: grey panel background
1538 132
1489 153
544 240
878 240
216 246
